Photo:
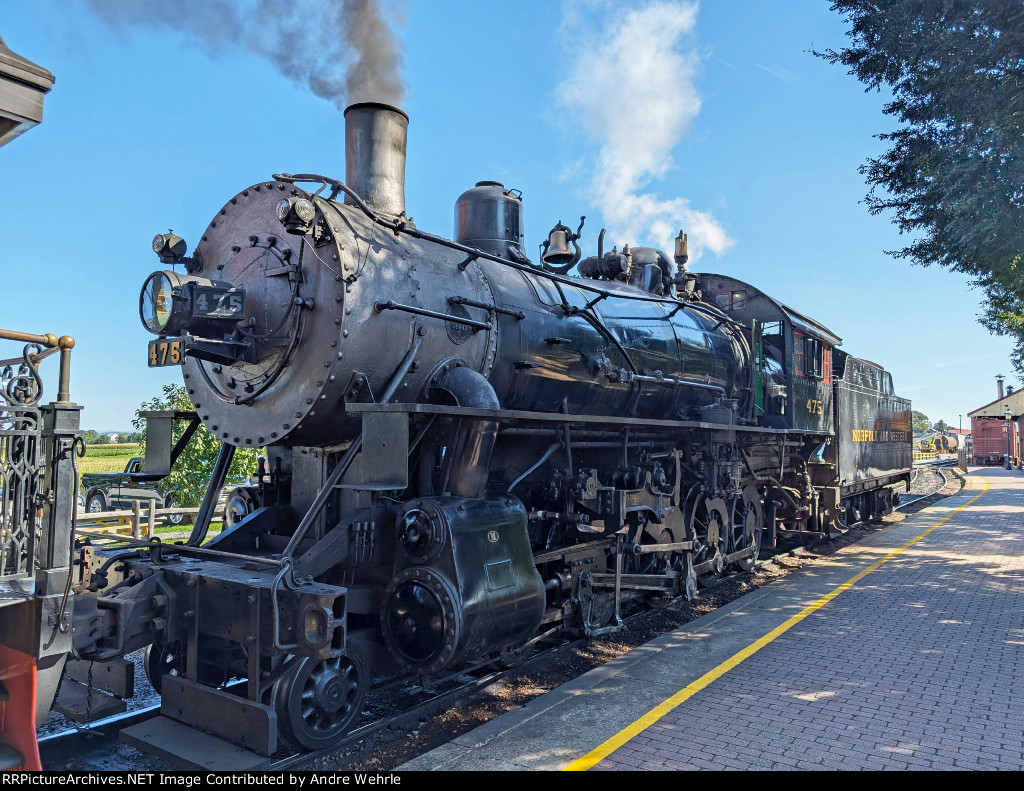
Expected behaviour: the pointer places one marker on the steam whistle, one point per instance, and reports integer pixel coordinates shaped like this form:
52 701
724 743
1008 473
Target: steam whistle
683 281
682 252
555 254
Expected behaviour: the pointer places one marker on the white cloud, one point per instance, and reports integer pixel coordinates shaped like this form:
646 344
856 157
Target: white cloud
632 89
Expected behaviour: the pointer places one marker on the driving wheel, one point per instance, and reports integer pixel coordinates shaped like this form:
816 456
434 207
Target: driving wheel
654 563
707 519
747 519
687 579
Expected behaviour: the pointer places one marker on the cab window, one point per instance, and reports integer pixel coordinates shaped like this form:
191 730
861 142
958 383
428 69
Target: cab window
731 300
812 358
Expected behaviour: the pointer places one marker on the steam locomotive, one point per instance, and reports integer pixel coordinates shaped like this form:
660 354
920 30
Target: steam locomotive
466 450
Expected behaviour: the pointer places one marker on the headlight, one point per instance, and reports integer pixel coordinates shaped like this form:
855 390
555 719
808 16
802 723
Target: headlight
156 303
171 303
304 210
283 208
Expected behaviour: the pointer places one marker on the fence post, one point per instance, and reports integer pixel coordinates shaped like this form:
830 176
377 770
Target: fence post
136 511
152 519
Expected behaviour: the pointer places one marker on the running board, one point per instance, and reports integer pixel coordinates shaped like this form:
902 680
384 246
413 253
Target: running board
245 723
189 748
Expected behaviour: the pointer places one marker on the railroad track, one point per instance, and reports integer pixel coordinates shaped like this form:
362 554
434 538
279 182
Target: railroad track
97 747
932 489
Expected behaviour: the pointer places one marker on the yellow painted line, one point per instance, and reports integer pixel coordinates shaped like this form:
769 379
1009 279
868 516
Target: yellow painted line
615 742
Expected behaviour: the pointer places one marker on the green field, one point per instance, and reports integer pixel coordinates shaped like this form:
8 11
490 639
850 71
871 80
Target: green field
113 458
107 458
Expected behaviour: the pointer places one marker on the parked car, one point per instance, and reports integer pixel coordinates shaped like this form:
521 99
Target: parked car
113 491
116 491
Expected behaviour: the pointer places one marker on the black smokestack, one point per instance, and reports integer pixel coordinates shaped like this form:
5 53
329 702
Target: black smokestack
342 50
375 137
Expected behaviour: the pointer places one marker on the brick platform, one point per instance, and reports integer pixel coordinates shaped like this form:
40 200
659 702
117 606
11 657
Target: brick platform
917 665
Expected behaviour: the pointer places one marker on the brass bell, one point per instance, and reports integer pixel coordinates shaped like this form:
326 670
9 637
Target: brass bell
557 249
555 253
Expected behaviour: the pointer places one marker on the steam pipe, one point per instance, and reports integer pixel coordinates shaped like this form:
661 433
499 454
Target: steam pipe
471 454
183 549
544 457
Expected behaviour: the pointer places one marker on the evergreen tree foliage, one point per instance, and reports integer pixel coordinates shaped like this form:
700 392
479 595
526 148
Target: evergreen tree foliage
953 175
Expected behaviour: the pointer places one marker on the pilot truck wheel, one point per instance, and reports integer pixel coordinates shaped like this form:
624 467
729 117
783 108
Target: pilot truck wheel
318 700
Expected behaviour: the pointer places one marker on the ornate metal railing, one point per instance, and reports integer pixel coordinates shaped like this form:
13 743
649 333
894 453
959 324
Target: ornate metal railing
20 482
22 457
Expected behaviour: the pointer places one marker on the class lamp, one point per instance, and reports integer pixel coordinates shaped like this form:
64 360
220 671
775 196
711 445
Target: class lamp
169 247
296 215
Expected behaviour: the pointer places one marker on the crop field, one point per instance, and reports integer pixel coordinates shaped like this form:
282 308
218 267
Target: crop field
107 458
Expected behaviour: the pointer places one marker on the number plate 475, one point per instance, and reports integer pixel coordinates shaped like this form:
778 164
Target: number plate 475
166 351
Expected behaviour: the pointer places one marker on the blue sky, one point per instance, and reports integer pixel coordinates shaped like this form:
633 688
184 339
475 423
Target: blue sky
714 117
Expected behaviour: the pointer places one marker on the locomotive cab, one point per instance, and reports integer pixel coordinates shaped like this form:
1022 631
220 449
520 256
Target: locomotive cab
795 368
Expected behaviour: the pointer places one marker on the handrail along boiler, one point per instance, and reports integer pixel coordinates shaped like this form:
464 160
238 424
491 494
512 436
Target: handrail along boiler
465 449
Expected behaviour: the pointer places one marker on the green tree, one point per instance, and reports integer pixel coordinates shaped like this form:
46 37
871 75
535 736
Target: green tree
191 472
953 175
920 422
942 426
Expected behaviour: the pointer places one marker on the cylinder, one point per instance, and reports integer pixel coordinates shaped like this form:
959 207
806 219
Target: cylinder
469 586
375 140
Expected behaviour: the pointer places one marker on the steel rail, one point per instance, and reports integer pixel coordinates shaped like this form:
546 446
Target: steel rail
918 497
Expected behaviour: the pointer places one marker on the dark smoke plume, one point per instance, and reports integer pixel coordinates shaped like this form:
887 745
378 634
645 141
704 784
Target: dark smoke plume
342 50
